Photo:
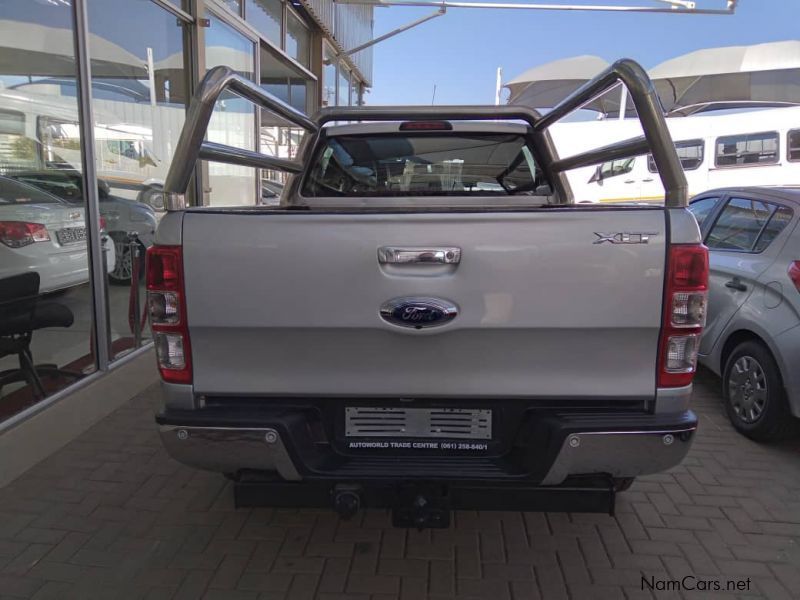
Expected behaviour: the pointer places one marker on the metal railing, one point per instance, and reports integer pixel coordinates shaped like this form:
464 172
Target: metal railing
656 139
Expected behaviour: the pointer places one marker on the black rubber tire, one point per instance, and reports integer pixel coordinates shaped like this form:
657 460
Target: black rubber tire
775 421
623 484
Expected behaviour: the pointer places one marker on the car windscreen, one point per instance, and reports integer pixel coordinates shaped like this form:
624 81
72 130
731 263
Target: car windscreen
15 193
423 164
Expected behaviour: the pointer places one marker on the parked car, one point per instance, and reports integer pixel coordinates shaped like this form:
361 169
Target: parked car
41 232
122 216
752 335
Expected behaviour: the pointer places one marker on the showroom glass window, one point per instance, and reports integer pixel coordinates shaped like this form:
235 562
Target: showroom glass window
266 17
298 39
279 137
233 121
139 94
329 77
44 258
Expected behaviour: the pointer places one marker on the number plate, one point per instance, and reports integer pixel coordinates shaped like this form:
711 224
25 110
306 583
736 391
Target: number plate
71 235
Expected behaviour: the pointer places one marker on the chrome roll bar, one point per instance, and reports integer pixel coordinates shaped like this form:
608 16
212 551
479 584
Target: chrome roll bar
191 145
651 115
656 139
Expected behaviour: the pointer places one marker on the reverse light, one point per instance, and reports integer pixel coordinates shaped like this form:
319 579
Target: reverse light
17 234
685 299
166 305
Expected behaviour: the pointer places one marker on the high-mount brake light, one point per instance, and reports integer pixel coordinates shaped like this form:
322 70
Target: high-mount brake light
426 126
685 298
166 304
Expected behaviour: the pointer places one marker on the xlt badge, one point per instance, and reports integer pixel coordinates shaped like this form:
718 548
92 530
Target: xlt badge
625 237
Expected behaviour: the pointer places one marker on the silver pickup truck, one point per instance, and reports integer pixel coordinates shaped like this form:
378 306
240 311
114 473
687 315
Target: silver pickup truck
428 320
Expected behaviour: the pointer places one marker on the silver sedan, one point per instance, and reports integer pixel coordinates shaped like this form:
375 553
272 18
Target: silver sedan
752 334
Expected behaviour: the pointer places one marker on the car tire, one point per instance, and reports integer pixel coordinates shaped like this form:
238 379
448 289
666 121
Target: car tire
623 484
153 197
121 274
754 396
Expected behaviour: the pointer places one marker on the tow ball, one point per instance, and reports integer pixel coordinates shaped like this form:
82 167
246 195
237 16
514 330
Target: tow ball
421 508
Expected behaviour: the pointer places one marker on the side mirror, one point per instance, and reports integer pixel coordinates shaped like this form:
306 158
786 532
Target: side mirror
597 176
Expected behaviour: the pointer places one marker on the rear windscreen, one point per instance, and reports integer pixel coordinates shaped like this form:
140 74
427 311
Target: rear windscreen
423 164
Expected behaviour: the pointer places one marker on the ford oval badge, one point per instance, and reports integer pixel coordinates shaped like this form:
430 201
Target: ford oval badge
418 313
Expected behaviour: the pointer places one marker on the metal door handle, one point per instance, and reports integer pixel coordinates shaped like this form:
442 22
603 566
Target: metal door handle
648 180
392 255
630 181
735 284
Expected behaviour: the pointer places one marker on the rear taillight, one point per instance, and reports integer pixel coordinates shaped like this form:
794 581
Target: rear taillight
16 234
794 274
685 298
166 304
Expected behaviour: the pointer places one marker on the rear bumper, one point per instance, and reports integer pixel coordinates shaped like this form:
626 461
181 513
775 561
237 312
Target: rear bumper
545 448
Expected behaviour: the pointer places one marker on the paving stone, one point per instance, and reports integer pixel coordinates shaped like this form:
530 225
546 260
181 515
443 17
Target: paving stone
111 516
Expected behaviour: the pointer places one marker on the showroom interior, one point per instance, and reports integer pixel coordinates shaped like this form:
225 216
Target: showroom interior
76 218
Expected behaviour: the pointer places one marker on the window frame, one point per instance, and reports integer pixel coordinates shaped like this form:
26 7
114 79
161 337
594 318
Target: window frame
777 160
788 145
693 142
725 200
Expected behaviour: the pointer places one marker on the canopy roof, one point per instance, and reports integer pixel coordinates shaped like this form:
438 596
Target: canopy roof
734 76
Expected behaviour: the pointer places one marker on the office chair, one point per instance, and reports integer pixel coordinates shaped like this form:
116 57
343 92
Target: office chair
21 313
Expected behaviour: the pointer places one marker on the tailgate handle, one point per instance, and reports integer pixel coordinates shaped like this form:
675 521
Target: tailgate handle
392 255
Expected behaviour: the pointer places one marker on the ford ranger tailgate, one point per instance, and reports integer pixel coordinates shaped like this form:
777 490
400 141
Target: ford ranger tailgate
556 303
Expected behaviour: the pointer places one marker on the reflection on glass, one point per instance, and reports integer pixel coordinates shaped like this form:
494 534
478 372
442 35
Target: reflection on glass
139 93
277 136
329 78
298 40
354 90
265 17
45 297
234 5
343 99
233 120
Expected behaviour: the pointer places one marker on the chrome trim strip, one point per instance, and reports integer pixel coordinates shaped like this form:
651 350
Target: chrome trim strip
229 449
620 453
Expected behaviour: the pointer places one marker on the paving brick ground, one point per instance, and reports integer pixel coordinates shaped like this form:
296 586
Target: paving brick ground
110 516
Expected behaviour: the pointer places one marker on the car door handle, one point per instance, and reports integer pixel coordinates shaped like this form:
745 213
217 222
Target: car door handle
392 255
630 181
736 284
648 180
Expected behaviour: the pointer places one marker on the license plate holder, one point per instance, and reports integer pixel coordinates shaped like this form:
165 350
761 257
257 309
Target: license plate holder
468 424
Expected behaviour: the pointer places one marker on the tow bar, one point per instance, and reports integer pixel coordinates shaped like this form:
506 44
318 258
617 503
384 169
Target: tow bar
424 505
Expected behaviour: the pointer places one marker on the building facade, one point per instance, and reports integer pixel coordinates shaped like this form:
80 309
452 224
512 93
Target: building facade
93 95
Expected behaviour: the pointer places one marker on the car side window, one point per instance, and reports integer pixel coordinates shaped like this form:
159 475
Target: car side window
702 208
739 225
690 154
612 168
780 219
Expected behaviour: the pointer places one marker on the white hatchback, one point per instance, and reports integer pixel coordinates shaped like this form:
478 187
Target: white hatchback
40 232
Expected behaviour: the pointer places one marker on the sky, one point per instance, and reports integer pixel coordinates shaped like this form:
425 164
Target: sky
459 52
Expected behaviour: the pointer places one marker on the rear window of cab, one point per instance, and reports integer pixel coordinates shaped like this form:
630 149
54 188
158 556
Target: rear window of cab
423 164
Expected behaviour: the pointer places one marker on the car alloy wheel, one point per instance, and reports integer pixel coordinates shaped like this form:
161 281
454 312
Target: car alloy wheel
747 389
123 267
